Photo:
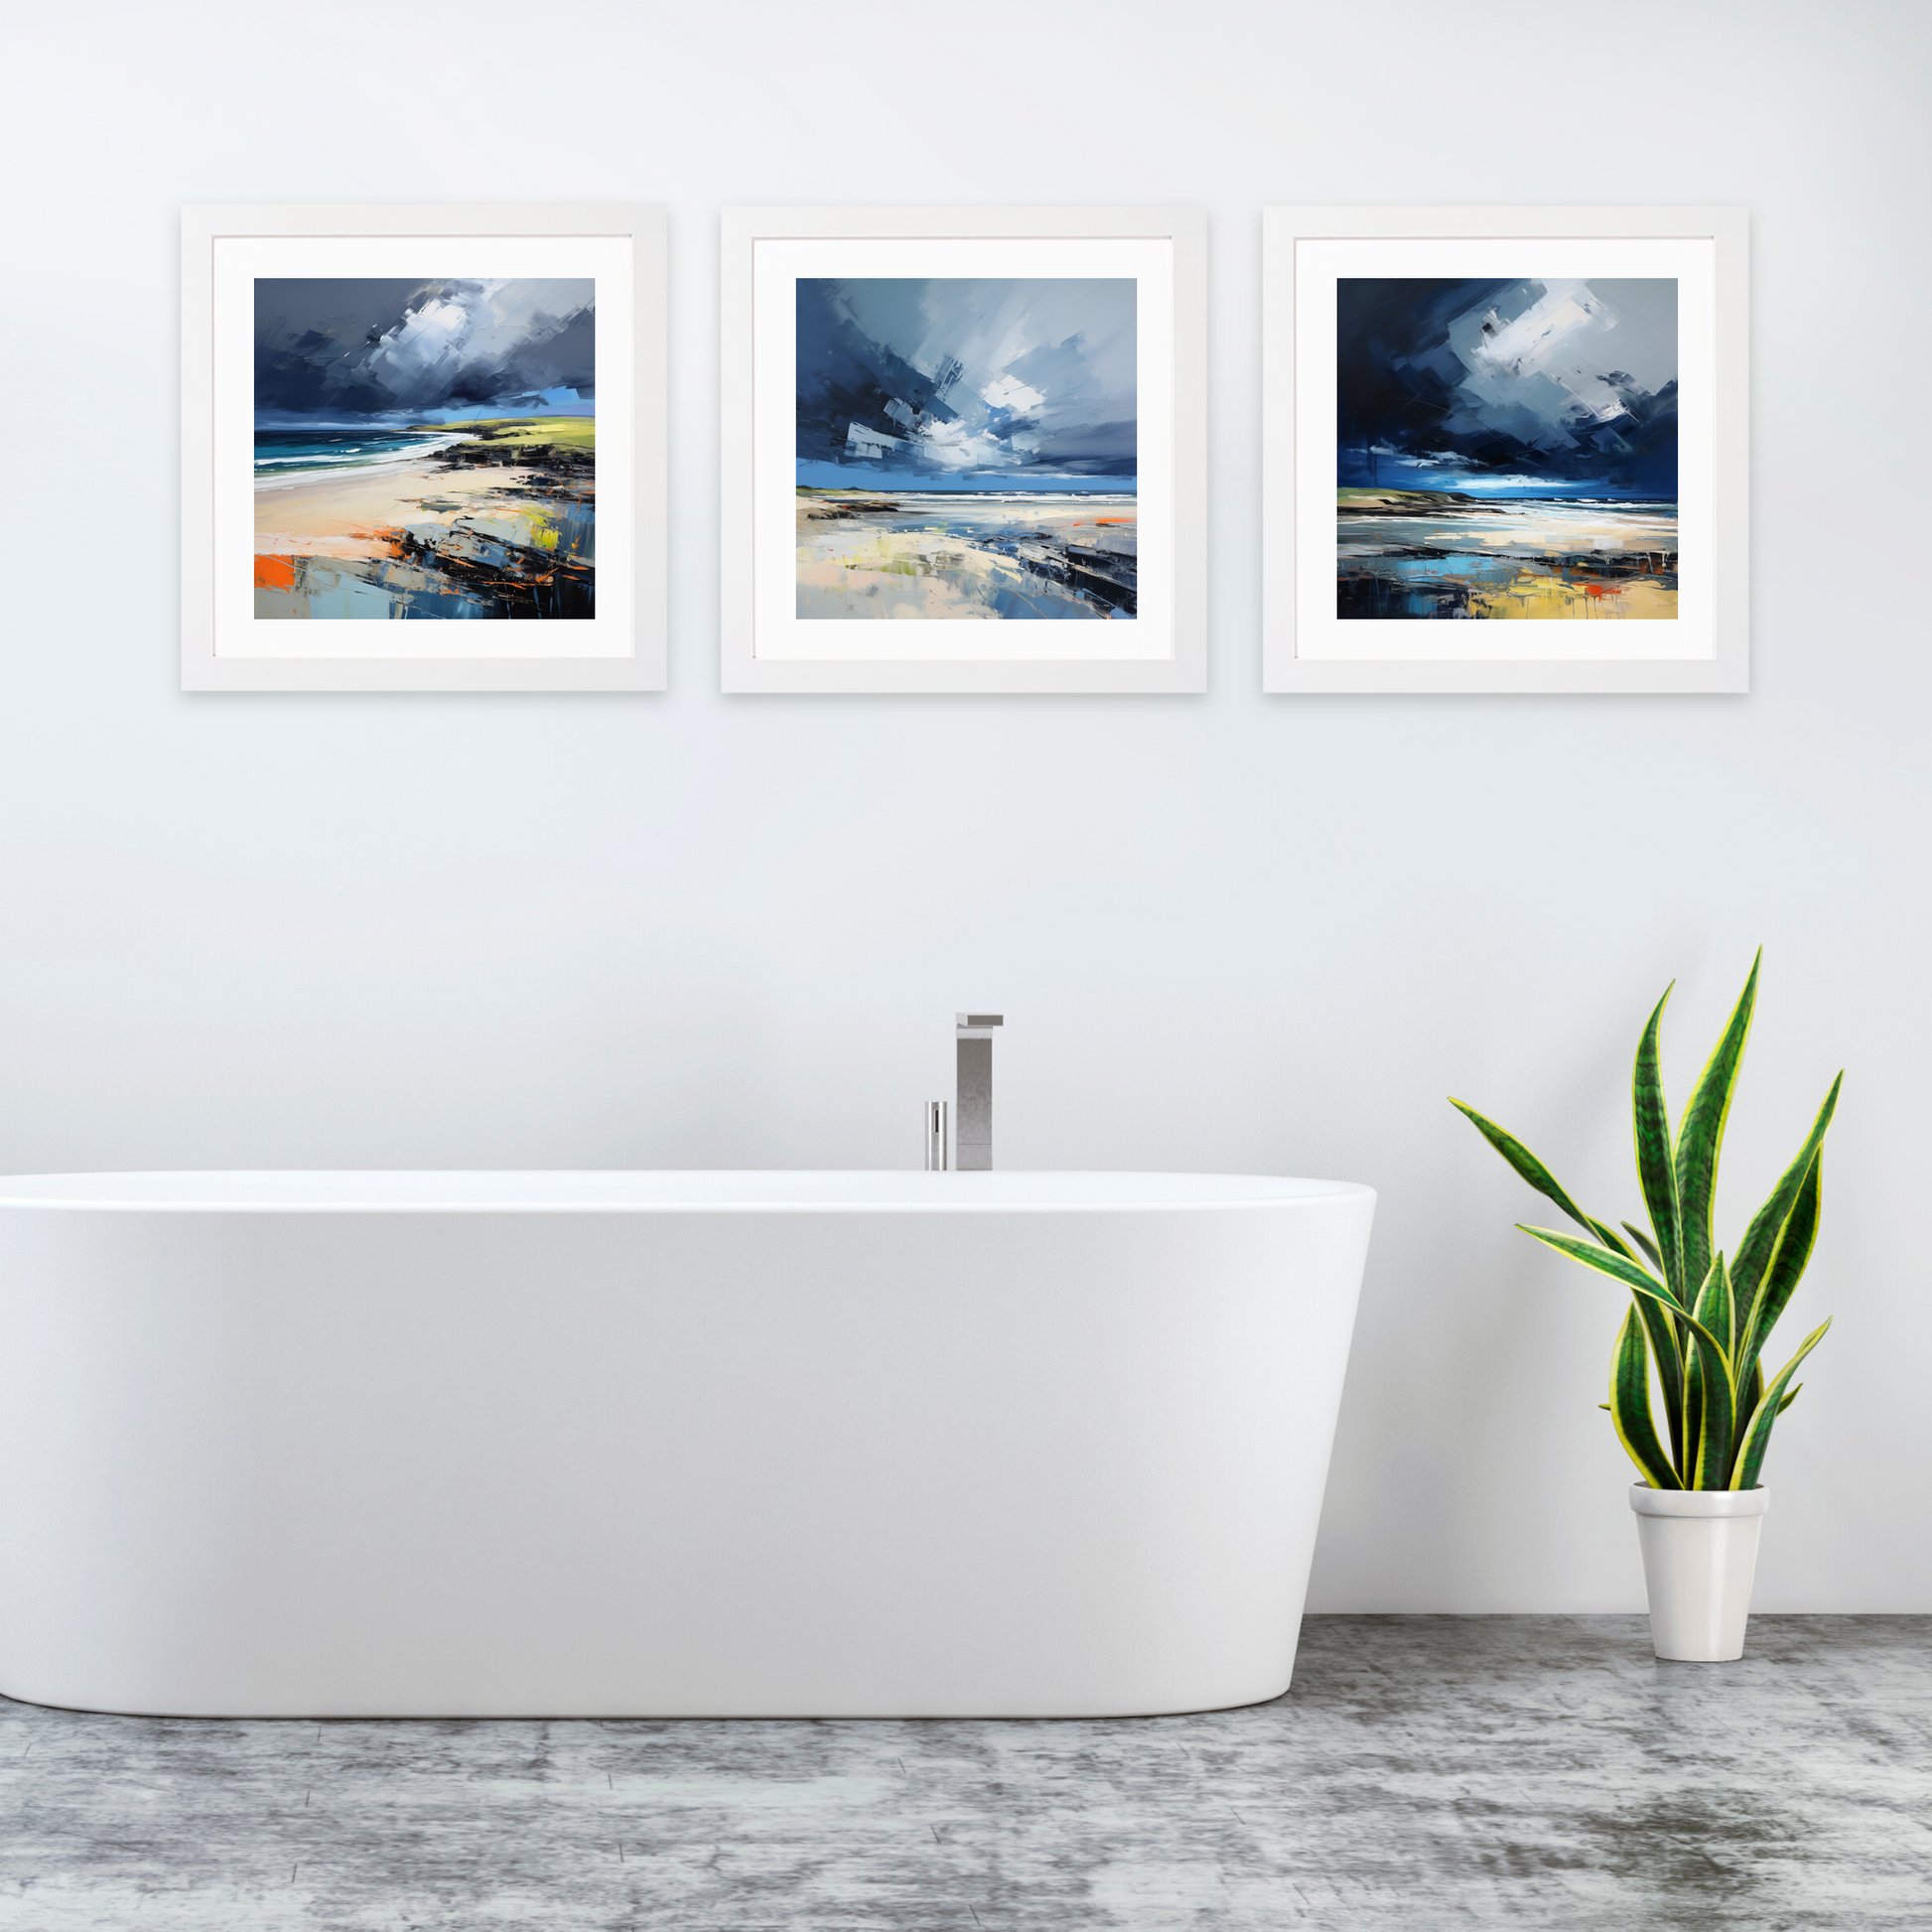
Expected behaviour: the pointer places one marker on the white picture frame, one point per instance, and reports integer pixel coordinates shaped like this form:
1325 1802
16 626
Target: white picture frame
767 645
1309 647
616 640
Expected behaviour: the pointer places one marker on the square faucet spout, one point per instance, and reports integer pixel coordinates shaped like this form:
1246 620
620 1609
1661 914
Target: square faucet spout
973 1098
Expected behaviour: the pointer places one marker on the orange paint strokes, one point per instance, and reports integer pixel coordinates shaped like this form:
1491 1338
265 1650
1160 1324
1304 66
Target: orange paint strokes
1603 590
275 572
1113 520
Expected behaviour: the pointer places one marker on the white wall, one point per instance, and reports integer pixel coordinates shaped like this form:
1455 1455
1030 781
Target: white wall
1228 933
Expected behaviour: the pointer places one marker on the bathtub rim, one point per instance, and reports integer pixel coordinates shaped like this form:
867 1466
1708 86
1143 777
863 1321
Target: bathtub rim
733 1190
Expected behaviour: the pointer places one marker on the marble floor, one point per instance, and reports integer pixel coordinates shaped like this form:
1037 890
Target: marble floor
1423 1773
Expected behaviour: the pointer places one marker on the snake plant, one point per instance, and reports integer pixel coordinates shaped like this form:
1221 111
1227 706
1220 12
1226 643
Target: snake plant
1699 1321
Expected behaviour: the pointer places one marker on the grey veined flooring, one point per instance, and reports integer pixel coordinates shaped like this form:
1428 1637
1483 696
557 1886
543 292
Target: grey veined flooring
1423 1773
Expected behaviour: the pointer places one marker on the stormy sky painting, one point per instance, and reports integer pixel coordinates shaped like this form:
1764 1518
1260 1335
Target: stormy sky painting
425 447
1506 448
966 448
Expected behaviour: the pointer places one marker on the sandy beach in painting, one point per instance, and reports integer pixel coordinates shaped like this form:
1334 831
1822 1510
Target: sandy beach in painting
1440 553
934 554
492 522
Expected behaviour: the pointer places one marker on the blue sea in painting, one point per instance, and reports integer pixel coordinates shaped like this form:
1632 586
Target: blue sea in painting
281 451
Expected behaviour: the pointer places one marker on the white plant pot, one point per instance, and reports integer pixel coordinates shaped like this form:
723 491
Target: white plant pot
1699 1552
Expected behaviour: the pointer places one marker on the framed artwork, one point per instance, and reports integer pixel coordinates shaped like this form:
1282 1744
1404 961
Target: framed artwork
1506 449
423 449
964 450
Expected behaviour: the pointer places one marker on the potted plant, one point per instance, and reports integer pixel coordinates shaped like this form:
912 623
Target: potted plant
1699 1322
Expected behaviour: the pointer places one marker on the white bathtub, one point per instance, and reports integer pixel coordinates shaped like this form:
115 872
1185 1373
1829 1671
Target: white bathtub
667 1445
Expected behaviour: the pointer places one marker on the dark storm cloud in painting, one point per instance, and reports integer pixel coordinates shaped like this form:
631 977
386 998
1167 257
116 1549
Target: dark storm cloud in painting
367 346
962 383
1559 383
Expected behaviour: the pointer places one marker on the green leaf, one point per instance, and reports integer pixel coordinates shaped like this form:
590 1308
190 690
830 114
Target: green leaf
1631 1404
1791 1216
1768 1224
1790 1396
1648 1246
1527 1165
1710 1387
1717 1415
1667 1348
1755 1437
1716 1305
1700 1136
1786 1268
1666 1345
1656 1169
1611 1239
1619 1268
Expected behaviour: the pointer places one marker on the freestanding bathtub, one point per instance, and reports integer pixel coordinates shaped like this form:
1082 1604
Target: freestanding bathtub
665 1444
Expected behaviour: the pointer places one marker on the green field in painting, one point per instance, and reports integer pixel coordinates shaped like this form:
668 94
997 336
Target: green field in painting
529 432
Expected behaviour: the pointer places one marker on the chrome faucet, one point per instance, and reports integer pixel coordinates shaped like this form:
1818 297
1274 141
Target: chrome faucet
973 1103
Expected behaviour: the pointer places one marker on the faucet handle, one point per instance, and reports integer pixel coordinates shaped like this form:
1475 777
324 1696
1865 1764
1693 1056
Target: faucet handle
976 1025
937 1120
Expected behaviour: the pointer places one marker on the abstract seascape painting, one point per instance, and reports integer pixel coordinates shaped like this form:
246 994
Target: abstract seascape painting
1506 448
967 448
425 447
964 448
